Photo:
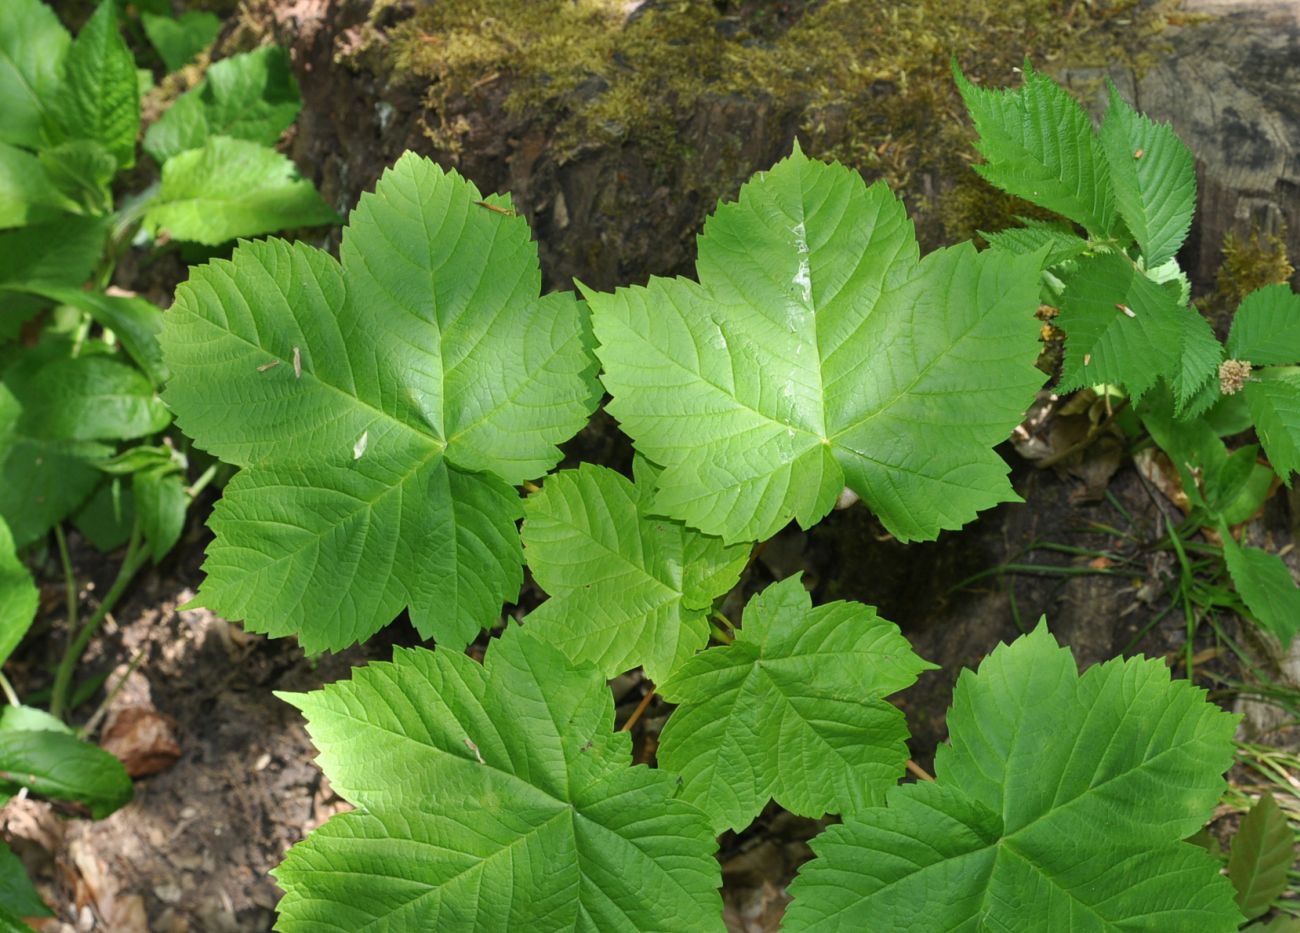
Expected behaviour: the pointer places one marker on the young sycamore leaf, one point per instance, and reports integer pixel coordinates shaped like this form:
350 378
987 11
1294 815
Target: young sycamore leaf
1266 333
33 45
1266 587
1153 177
99 98
493 797
1263 851
626 589
18 596
252 96
1124 329
794 710
1038 144
429 338
819 351
231 188
178 39
1060 804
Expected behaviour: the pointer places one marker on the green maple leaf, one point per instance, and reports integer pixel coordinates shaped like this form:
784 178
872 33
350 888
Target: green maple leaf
493 797
383 406
819 351
1061 804
794 710
626 589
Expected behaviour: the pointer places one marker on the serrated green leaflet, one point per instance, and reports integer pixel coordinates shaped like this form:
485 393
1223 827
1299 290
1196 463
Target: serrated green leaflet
1153 177
231 188
179 39
626 589
99 98
1266 587
816 352
252 96
1060 242
18 596
1039 145
1061 804
1124 329
492 798
33 45
794 710
1263 851
1273 395
382 406
1266 327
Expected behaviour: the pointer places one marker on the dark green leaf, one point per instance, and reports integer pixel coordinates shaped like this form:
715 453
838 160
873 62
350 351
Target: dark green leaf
16 892
233 188
63 251
18 596
64 768
106 518
161 502
100 98
178 40
135 321
33 45
1266 328
1266 587
1263 851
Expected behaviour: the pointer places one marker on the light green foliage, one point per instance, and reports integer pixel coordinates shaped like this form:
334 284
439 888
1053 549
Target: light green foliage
819 351
232 187
382 408
1061 804
794 710
492 798
18 596
179 39
99 98
1038 144
27 194
83 170
252 96
1266 333
1263 851
58 252
1123 304
33 45
626 590
1156 337
1153 177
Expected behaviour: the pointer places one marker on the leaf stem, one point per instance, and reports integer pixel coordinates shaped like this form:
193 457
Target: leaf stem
202 482
640 708
136 557
918 771
69 578
9 691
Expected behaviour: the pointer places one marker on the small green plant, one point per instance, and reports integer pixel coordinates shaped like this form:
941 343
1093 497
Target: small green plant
385 411
84 435
1127 193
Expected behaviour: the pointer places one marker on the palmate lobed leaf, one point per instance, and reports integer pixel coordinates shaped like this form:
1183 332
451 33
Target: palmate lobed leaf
382 407
793 710
819 351
1061 804
493 797
626 590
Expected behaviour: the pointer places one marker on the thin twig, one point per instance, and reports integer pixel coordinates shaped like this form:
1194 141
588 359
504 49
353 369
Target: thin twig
92 723
918 771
